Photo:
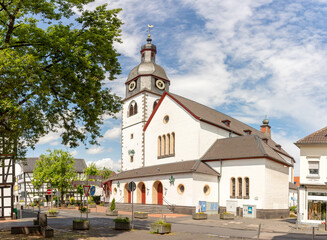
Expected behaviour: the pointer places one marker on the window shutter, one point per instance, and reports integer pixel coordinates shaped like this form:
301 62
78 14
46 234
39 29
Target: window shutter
313 165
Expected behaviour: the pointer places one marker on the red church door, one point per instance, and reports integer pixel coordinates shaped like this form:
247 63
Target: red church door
143 194
160 196
129 197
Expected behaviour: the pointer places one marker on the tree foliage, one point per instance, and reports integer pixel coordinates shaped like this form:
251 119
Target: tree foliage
52 73
55 168
94 170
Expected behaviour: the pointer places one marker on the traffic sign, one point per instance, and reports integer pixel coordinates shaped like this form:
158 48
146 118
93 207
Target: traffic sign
49 191
131 186
92 190
86 190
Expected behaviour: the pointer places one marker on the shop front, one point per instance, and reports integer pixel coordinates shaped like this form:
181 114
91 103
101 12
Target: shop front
316 206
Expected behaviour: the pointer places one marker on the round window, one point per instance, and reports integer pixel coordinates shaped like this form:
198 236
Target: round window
166 119
206 190
115 191
180 189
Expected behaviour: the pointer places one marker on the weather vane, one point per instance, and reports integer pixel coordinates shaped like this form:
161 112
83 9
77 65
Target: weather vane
149 26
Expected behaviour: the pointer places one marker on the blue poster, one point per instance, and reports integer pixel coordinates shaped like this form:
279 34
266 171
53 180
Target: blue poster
250 210
203 205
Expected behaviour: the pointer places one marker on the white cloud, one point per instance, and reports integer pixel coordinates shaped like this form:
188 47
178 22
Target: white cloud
108 163
95 150
113 133
73 153
51 137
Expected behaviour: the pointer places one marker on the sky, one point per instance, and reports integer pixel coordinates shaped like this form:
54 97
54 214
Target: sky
245 58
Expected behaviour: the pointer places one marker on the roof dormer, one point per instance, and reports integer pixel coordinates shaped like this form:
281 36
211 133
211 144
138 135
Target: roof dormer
226 122
247 132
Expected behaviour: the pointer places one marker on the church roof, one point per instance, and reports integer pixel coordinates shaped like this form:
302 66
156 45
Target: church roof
147 68
319 136
216 118
193 166
243 147
29 163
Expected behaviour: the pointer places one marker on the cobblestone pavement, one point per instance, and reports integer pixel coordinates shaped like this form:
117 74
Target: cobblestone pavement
183 227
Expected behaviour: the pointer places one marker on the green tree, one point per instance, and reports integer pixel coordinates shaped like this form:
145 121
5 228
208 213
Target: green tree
53 66
92 170
106 172
55 168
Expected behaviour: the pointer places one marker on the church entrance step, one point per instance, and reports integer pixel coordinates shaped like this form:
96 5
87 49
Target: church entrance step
150 208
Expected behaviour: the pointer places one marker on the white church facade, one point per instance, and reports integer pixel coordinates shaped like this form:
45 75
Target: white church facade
189 156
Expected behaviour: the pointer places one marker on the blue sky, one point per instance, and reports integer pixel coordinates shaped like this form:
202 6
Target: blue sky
245 58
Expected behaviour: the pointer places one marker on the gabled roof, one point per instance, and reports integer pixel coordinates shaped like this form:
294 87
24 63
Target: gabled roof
319 136
29 163
193 166
243 147
216 118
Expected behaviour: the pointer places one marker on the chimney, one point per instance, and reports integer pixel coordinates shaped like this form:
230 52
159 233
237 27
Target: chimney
265 128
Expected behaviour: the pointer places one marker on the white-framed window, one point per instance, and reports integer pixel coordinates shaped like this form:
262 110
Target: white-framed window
313 167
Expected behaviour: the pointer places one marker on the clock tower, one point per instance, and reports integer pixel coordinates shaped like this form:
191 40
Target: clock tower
144 86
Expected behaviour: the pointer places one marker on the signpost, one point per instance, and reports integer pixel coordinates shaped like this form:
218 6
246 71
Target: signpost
86 187
132 187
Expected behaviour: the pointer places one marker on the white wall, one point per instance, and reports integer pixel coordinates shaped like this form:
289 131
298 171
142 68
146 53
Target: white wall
185 127
276 186
312 152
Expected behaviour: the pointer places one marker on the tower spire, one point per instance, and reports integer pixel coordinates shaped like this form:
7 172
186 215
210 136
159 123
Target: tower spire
149 35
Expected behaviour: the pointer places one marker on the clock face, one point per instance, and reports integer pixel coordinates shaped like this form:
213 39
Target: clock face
132 86
160 84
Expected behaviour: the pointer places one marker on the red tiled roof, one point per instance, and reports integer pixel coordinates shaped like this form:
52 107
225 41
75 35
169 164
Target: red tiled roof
319 136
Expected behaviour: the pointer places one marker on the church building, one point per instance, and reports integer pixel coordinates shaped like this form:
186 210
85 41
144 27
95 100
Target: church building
183 154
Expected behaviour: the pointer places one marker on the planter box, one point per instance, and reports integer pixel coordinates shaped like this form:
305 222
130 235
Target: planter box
52 214
92 206
81 225
199 216
159 228
141 215
112 213
122 226
227 216
71 207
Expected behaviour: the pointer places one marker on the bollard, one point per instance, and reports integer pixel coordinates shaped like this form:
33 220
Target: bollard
313 233
259 229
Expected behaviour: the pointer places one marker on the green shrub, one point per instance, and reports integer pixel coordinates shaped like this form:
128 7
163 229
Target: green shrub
162 222
122 220
53 210
102 204
293 208
113 205
72 200
82 209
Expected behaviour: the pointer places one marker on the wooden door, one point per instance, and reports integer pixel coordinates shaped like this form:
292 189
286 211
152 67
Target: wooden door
160 196
143 194
129 196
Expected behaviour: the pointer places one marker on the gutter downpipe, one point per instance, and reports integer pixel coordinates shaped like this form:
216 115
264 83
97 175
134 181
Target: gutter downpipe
219 177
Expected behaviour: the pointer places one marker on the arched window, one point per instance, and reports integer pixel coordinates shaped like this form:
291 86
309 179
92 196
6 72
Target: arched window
132 108
155 103
247 187
163 150
172 144
159 146
239 181
168 144
232 188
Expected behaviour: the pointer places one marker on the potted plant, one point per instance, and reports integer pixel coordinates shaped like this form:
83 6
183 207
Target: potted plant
71 203
122 223
52 212
199 216
322 226
226 216
112 211
160 227
81 224
141 215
